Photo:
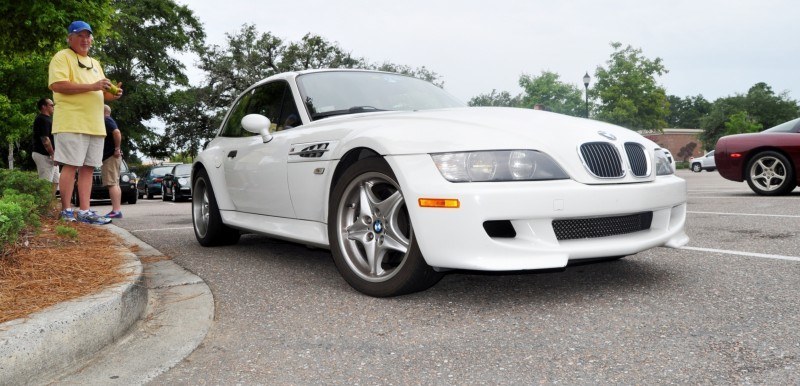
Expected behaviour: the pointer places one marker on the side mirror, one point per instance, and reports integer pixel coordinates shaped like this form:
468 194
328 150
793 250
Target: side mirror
257 124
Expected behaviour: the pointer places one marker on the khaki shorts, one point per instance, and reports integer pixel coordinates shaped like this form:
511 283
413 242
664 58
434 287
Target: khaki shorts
79 149
46 168
110 171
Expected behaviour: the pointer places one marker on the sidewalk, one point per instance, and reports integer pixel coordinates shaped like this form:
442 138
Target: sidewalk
126 334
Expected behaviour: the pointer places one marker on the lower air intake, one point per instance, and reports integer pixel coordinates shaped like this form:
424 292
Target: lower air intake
588 228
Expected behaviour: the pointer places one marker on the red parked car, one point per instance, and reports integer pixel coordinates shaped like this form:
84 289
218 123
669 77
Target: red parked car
767 160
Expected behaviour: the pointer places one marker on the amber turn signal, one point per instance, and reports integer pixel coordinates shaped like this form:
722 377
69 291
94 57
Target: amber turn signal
439 203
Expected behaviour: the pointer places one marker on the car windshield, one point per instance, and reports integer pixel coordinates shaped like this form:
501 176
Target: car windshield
183 169
787 127
160 171
347 92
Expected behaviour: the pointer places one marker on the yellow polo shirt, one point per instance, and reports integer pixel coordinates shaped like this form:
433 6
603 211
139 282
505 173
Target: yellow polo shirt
77 113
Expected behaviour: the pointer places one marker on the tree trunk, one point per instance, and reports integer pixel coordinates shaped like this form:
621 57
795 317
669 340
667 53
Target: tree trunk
11 155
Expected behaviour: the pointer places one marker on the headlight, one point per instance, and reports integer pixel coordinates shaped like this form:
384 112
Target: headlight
499 165
663 165
183 181
125 178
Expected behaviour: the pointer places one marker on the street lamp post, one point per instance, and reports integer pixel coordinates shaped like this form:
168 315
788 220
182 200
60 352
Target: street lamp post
586 79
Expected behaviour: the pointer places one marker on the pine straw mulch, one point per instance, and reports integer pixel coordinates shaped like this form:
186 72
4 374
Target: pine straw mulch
44 269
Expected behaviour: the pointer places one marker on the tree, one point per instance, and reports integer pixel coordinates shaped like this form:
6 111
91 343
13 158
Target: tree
761 106
627 90
501 99
767 108
141 54
548 90
189 123
40 26
740 123
687 112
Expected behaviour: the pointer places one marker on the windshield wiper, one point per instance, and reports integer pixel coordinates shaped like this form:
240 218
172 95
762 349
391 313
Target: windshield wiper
352 110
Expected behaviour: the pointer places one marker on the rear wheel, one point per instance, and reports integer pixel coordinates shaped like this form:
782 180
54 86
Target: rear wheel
208 227
770 174
372 239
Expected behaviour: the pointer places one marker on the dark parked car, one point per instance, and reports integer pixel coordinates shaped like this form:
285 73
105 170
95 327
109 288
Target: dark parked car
767 160
177 184
127 183
150 183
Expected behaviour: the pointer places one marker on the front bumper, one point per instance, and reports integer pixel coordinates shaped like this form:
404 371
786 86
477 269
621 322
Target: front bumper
456 238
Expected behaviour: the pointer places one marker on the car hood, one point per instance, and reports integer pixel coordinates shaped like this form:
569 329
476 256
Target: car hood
477 128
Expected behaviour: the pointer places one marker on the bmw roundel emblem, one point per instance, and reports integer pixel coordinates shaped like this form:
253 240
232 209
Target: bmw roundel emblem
607 135
378 226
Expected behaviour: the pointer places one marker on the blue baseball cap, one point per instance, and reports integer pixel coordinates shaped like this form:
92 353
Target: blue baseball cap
78 26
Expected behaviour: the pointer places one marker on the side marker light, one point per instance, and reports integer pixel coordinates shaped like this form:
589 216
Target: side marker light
439 203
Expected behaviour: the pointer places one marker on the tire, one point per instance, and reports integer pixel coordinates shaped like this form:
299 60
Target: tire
132 198
174 195
206 220
368 216
770 174
149 195
696 168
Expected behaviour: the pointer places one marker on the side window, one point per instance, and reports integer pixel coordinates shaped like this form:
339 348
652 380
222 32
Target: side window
272 100
233 126
289 116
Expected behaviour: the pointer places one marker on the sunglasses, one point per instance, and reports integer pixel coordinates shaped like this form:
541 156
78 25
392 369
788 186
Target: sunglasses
81 65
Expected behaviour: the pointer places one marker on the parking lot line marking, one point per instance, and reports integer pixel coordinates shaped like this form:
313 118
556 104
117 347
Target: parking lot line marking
159 229
745 214
740 253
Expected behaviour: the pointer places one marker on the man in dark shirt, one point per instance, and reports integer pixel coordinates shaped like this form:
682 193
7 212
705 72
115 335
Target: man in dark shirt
43 149
112 159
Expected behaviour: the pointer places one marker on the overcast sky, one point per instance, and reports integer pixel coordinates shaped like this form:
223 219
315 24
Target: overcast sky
713 48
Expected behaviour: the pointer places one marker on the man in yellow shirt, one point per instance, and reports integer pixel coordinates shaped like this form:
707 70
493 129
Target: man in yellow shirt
79 90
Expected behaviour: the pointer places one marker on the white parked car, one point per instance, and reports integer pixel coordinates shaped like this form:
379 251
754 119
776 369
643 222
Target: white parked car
705 162
402 182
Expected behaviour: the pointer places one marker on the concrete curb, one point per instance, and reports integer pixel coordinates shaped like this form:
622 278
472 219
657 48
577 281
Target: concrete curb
127 334
37 348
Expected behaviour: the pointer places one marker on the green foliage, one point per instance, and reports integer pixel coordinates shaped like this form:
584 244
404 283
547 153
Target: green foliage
740 123
760 105
13 181
687 112
188 122
23 198
12 222
40 26
627 90
555 95
67 232
501 99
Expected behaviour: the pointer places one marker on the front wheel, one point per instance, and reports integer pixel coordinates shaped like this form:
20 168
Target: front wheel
770 174
208 227
696 168
371 236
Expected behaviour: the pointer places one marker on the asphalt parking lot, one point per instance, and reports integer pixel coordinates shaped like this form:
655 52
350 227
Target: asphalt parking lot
724 309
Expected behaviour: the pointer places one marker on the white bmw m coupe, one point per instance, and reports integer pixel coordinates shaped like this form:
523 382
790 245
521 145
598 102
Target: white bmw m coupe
402 182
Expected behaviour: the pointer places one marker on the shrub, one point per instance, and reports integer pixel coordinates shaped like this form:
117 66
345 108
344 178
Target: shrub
23 198
12 222
28 183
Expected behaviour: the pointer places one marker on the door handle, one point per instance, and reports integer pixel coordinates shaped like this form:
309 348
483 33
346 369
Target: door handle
232 154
